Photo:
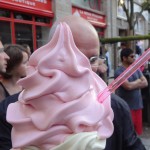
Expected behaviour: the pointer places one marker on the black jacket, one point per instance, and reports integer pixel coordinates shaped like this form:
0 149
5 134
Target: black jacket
123 138
5 127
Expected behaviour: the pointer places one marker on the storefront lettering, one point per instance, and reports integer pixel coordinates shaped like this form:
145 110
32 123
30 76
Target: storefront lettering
93 17
42 1
25 2
44 7
87 13
97 16
30 3
81 12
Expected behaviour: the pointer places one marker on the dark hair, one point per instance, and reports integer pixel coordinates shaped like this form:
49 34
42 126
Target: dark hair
26 46
14 51
125 53
123 44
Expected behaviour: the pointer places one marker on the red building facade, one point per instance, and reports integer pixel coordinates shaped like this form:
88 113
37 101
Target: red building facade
25 21
29 21
97 20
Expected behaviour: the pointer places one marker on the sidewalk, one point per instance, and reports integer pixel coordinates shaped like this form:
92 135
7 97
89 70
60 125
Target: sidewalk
145 137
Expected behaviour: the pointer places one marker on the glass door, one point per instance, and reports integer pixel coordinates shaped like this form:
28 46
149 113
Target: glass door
42 35
23 33
5 32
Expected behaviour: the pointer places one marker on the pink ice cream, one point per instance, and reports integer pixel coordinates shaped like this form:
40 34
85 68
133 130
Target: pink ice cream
59 97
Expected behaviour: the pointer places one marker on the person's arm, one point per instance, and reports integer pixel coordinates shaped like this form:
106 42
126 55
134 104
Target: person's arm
144 82
131 85
139 83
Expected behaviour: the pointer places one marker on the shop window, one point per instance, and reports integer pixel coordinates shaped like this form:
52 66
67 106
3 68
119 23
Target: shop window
4 13
5 32
22 16
92 4
100 32
20 28
122 32
139 26
96 4
42 34
42 19
23 34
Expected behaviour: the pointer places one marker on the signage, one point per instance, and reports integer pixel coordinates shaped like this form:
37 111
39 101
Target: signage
35 5
95 19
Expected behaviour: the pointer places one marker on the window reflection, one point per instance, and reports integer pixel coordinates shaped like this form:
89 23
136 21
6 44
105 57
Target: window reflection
4 13
42 34
24 34
42 19
5 32
22 16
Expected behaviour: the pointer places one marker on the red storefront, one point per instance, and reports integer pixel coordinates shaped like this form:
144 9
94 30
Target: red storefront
97 20
25 21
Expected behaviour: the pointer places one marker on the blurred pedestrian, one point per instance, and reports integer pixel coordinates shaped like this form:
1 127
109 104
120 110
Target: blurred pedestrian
130 90
15 70
122 46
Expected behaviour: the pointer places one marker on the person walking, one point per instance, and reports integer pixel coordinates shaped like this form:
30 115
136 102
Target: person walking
122 46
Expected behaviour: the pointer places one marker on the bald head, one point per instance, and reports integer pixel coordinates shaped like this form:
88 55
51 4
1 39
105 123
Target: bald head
84 34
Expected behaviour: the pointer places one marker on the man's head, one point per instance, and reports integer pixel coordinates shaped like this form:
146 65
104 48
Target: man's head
127 56
3 58
85 37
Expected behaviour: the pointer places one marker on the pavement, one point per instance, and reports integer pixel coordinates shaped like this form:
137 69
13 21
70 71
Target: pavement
145 137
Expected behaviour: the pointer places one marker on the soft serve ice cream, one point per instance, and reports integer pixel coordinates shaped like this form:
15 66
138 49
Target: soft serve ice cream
58 108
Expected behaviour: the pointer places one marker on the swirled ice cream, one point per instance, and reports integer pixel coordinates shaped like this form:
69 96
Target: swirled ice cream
58 108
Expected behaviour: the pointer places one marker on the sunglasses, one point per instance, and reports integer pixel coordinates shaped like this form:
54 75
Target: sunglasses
94 61
132 56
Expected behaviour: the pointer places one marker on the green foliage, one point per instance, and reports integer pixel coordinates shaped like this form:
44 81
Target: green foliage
124 39
146 5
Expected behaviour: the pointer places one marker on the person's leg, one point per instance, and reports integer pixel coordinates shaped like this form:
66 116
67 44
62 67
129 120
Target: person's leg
139 127
133 117
137 120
